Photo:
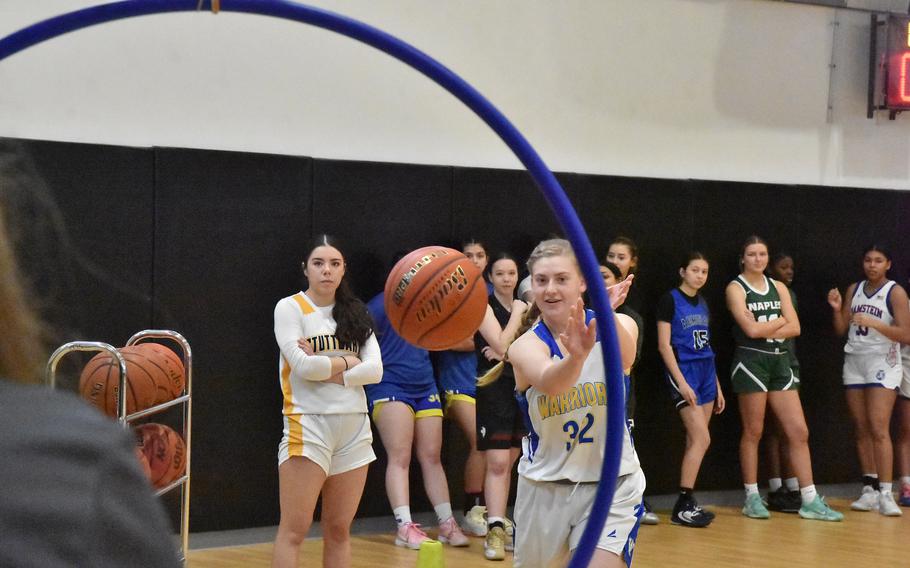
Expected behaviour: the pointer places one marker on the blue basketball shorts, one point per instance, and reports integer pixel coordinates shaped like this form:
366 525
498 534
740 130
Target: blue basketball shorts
701 376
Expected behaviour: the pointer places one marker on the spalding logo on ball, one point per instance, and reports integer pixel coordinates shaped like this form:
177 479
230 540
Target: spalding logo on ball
435 298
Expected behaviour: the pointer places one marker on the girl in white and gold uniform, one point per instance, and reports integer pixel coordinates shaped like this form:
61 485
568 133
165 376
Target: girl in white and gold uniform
328 352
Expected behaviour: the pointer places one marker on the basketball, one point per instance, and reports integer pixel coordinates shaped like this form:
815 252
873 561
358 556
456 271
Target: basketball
165 451
148 381
143 463
435 297
174 371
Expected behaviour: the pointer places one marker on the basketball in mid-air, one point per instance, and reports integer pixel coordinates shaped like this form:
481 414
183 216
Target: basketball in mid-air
435 297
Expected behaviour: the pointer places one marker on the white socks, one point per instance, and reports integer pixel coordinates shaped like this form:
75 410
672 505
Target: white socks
808 494
443 512
751 488
774 484
792 484
402 515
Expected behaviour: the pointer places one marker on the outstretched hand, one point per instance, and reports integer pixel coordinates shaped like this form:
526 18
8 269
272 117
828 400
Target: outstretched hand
620 291
579 338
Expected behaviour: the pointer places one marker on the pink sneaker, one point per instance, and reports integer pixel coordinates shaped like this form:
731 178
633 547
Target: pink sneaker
904 499
410 536
450 533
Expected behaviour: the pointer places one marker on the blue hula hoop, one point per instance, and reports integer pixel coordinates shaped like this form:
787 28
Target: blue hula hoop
404 52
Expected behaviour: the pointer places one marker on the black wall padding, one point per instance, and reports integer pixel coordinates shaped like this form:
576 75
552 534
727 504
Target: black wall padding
216 238
87 237
229 228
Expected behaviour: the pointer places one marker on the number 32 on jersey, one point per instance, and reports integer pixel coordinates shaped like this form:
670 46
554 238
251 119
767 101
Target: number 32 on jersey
578 434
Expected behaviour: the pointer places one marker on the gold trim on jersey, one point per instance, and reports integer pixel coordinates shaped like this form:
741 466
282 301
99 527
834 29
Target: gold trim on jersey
295 435
305 306
286 391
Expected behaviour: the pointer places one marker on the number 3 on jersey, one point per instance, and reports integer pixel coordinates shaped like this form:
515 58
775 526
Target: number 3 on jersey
577 434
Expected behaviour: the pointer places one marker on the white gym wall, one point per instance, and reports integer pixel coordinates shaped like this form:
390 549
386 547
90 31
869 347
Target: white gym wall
708 89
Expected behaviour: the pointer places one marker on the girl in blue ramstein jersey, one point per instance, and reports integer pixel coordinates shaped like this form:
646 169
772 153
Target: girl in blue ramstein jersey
683 339
559 375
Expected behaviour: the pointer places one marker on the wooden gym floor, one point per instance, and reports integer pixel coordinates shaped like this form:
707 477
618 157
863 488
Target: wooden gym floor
863 539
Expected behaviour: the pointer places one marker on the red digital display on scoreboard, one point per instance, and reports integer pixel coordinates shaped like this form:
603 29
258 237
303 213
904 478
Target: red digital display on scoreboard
898 53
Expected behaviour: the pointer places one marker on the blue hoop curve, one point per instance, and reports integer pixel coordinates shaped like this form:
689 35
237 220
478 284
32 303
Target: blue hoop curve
543 177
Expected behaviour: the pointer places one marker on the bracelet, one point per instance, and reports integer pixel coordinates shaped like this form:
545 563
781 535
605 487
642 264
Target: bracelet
345 359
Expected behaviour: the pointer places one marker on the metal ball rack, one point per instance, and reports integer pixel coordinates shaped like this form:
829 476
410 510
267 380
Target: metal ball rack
126 419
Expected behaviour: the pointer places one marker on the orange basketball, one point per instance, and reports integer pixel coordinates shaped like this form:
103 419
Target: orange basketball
165 451
435 297
99 382
144 463
173 369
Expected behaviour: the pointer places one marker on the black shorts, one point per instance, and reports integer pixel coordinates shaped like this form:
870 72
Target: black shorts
500 425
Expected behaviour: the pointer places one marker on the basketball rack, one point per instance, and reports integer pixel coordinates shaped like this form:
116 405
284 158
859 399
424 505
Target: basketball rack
126 419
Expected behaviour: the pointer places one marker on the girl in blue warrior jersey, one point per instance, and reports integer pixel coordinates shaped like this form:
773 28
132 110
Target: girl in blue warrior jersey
560 377
684 342
408 414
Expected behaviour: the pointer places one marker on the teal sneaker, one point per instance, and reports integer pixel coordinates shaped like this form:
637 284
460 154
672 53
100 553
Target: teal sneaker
820 511
755 508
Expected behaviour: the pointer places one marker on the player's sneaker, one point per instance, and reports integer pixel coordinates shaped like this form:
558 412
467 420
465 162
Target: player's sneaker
510 535
410 536
754 508
494 546
868 500
904 499
784 501
650 517
450 533
687 513
475 521
887 506
819 511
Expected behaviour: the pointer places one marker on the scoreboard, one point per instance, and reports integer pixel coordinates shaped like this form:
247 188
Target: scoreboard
897 63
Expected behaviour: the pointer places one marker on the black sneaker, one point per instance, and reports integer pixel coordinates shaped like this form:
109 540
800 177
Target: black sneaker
784 501
688 514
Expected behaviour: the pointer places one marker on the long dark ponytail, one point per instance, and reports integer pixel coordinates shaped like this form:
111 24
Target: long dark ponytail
354 324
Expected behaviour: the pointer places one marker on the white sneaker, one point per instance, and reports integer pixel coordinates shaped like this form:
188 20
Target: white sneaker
475 521
868 500
887 506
